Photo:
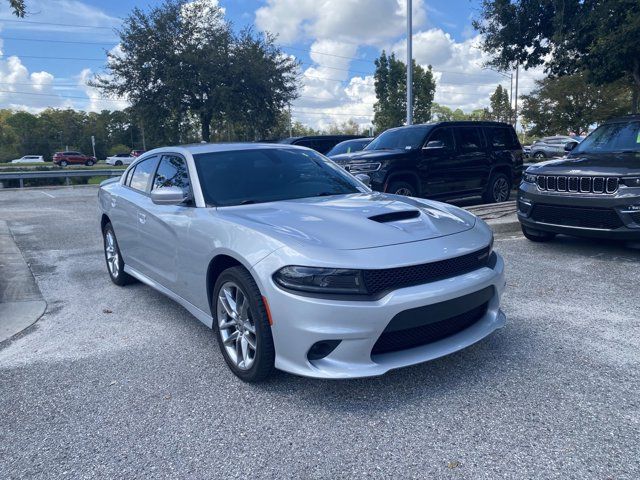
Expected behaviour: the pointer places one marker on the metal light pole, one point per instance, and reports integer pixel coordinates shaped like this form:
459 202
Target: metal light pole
515 108
409 66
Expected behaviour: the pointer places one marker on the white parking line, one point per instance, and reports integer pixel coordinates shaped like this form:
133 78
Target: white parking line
47 194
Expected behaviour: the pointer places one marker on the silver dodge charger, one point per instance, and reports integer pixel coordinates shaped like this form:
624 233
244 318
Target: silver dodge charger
298 265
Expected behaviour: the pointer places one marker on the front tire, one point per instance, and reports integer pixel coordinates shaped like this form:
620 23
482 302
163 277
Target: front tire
402 188
498 190
537 236
113 257
539 156
63 163
89 163
118 163
242 325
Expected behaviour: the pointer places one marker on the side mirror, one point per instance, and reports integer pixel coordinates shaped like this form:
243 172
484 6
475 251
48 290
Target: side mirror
570 146
434 144
169 196
364 178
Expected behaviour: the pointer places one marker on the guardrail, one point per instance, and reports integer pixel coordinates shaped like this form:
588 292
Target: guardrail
66 174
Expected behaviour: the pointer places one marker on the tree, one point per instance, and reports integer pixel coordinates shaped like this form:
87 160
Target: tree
181 64
390 81
19 7
500 105
442 113
569 104
350 127
569 36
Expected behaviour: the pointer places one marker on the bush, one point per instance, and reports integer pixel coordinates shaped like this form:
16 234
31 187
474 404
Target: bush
116 149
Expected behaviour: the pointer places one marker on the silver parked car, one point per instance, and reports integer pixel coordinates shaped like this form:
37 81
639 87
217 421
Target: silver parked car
298 265
550 147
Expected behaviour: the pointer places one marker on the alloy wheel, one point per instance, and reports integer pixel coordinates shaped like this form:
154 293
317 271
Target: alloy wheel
236 326
500 189
404 191
111 252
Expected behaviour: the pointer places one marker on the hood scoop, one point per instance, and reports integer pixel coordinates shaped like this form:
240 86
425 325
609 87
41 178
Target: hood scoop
395 216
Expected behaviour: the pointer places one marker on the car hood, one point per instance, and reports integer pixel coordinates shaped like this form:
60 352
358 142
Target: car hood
351 222
601 164
368 155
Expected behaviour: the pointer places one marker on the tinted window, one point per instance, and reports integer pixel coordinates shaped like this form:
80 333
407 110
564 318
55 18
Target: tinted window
443 135
172 172
349 146
141 176
306 143
400 138
266 175
323 146
469 139
611 138
500 138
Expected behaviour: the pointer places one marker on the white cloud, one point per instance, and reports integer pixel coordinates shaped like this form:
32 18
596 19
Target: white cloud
97 102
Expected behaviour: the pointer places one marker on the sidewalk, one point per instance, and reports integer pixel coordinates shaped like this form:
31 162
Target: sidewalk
21 302
501 217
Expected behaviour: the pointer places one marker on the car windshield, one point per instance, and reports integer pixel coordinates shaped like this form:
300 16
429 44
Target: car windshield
267 175
348 147
408 138
612 137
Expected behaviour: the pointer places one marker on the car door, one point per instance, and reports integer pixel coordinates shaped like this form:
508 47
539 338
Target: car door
437 168
473 159
162 225
129 210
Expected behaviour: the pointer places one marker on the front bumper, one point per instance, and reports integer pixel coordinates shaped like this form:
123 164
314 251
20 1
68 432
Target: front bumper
300 321
623 206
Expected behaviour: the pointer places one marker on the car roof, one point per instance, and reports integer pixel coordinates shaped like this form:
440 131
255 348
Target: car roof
455 123
624 119
198 148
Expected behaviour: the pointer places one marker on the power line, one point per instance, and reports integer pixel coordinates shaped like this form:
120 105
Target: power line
54 24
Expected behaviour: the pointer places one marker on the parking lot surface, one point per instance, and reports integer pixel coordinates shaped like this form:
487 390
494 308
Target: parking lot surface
122 382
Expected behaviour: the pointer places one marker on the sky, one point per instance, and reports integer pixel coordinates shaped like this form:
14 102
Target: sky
47 57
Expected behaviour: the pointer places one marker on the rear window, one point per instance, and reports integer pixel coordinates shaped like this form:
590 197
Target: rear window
501 138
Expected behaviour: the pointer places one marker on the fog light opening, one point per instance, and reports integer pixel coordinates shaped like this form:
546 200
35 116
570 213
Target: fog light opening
321 349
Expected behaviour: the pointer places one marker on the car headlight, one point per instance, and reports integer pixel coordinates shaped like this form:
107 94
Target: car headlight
321 280
528 178
363 167
631 181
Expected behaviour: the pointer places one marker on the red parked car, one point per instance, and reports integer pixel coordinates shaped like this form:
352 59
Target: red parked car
137 153
73 158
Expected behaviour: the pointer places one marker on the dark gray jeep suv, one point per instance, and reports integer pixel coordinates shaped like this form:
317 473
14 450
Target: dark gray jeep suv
594 191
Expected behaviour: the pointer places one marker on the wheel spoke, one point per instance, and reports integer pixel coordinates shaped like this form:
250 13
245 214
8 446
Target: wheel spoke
222 298
244 346
226 325
251 342
231 303
231 338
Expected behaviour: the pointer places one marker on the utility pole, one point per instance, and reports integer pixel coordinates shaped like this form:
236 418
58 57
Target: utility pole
290 123
511 96
515 108
409 65
144 143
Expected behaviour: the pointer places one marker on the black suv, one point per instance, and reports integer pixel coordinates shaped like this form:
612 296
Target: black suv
442 160
594 191
319 143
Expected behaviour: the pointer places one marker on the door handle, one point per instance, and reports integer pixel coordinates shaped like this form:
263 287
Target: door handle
142 218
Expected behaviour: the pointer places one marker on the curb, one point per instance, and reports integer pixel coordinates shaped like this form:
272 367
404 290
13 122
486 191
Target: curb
21 302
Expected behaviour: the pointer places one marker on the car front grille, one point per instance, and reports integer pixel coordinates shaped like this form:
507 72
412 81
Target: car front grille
635 217
394 341
383 280
601 218
571 184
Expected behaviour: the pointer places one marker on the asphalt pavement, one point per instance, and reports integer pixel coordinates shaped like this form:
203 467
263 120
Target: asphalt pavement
124 383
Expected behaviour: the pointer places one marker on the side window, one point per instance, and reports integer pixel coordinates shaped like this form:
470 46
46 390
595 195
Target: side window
499 138
444 135
307 143
172 172
469 139
141 177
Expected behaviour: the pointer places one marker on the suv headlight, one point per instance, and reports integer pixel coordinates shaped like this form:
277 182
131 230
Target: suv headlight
354 168
631 181
528 177
321 280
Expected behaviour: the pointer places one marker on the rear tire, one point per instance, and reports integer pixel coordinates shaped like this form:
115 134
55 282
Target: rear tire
498 189
118 163
537 236
539 156
242 325
113 257
402 188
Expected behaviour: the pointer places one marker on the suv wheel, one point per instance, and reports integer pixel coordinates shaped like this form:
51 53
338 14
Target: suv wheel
537 235
89 163
113 257
539 155
498 190
63 163
242 325
402 188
